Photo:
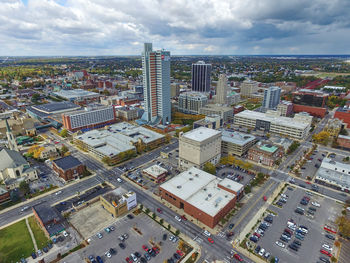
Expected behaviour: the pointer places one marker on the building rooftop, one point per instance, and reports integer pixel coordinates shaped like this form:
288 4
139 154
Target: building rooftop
279 120
194 95
155 170
72 94
67 162
55 107
201 190
3 191
237 138
201 134
50 217
11 159
268 148
115 197
232 185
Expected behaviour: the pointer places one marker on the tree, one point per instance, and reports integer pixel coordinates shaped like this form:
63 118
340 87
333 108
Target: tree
24 187
161 221
106 160
64 149
177 232
169 226
321 137
147 210
141 206
64 133
343 225
209 168
153 215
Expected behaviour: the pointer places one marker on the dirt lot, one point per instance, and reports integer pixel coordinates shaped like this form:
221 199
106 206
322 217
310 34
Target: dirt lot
91 219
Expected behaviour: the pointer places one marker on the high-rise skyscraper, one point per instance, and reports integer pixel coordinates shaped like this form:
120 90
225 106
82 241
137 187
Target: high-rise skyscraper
201 76
156 85
221 90
272 97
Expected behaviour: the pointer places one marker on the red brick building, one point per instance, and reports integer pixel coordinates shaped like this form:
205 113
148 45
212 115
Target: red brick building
202 195
265 154
314 111
344 141
4 195
156 173
344 115
68 167
310 101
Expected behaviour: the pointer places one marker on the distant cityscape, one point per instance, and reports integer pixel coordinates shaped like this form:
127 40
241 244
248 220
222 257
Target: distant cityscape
167 158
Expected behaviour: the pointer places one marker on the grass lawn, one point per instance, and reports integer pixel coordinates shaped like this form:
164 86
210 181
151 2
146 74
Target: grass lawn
15 242
39 235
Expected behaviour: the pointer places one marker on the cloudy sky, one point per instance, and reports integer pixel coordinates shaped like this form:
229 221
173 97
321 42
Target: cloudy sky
119 27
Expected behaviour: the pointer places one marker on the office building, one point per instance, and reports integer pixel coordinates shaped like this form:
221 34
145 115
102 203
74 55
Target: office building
43 111
77 95
248 87
191 102
334 174
297 127
225 113
128 113
221 90
236 143
272 97
310 101
343 113
175 90
89 118
201 195
201 76
285 108
211 121
199 146
344 141
156 84
156 173
333 127
118 202
265 153
68 167
233 98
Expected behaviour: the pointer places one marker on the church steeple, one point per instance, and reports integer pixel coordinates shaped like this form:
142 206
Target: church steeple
11 140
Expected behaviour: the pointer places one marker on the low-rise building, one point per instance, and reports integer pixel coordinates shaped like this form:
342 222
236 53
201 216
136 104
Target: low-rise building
285 108
333 127
297 127
334 174
4 195
49 219
203 196
118 202
211 121
191 102
128 114
15 169
48 152
225 113
68 167
265 154
344 141
199 146
156 173
236 143
77 95
343 113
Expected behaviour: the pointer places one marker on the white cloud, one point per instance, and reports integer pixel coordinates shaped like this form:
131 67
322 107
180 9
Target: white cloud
112 27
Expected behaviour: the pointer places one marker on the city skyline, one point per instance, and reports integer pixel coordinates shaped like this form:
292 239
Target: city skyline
95 28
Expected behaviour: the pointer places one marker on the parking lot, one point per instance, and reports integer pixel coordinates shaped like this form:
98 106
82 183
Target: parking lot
308 244
150 234
311 166
235 174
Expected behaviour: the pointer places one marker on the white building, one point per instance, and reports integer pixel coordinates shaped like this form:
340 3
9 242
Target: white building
77 94
236 143
221 90
248 87
198 147
334 174
191 102
156 84
297 127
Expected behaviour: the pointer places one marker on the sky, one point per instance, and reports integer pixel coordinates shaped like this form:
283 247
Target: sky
184 27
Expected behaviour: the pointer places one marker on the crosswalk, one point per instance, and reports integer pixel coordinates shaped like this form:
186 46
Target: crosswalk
221 234
198 239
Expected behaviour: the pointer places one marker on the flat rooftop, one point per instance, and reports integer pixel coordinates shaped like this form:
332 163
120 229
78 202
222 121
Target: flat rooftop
76 94
277 120
155 170
237 138
50 108
268 148
201 190
201 134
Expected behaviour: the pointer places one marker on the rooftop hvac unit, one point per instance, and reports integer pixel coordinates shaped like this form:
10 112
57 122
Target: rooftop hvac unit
196 175
178 187
209 195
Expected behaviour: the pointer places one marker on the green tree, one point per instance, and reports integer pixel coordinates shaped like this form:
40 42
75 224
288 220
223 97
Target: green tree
169 226
343 225
147 211
154 215
177 232
64 133
161 221
64 149
209 168
106 160
24 187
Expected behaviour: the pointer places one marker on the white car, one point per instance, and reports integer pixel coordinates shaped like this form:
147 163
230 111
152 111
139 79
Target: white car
303 230
108 254
206 233
59 192
280 244
99 235
178 218
119 180
284 195
65 234
261 252
292 227
328 247
24 208
315 204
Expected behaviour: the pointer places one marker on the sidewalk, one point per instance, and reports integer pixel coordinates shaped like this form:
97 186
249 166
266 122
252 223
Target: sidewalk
31 235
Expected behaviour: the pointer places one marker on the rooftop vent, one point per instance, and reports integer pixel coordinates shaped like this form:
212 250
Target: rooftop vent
196 175
209 195
191 179
178 187
205 189
189 172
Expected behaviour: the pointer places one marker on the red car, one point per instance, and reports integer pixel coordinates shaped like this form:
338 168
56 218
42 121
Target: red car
145 248
325 252
238 257
128 260
159 210
308 182
184 218
265 198
210 240
179 252
156 249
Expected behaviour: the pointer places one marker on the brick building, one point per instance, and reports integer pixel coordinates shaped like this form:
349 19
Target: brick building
4 195
118 202
156 173
310 101
344 141
49 219
202 195
343 114
265 154
68 167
